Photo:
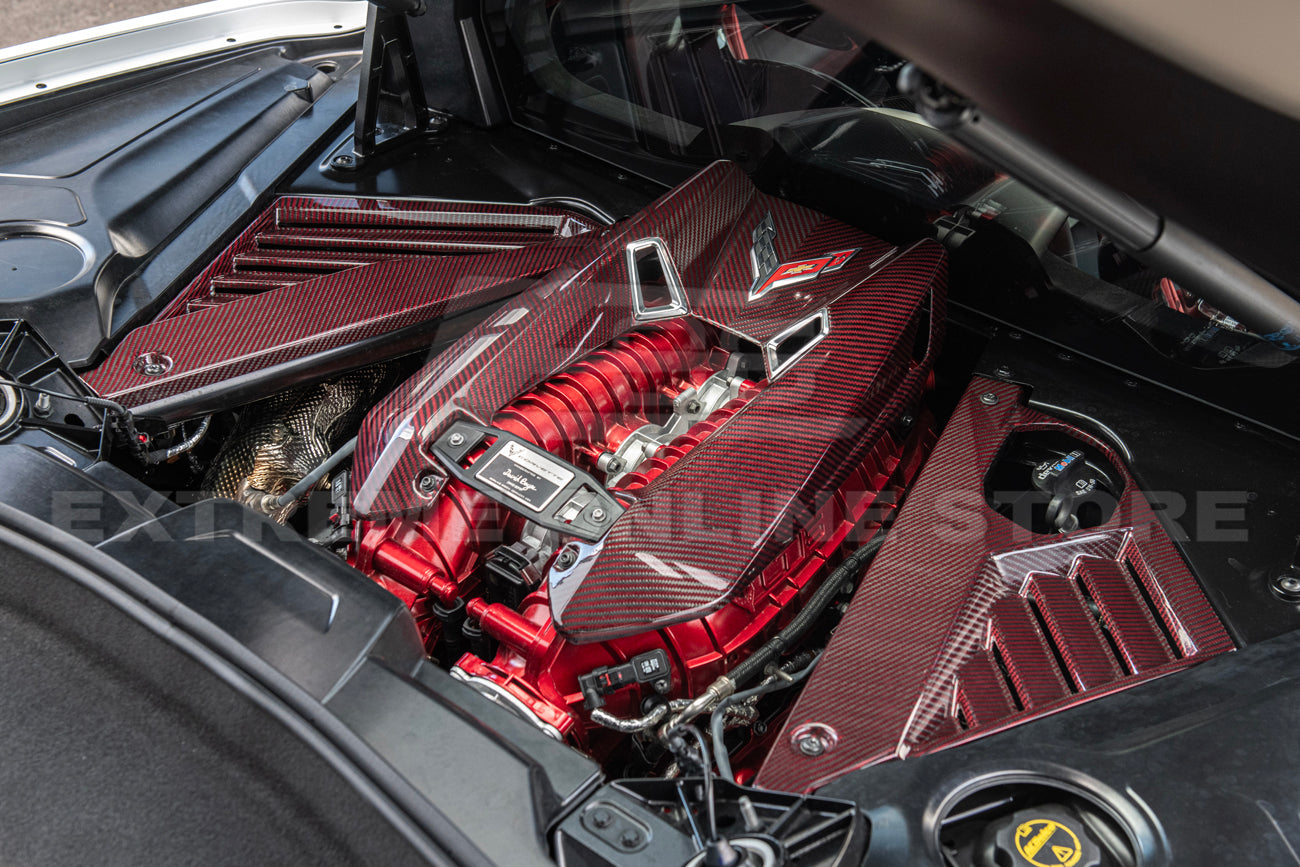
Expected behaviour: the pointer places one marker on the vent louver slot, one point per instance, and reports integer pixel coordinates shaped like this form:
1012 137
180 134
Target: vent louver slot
1068 634
301 238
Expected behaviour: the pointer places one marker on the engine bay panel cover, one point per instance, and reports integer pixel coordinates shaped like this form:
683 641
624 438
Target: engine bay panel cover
967 623
843 345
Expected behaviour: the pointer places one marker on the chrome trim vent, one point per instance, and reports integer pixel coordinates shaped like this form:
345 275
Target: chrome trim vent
657 291
795 342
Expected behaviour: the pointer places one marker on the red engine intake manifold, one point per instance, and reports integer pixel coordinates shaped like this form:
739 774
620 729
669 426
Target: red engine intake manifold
435 560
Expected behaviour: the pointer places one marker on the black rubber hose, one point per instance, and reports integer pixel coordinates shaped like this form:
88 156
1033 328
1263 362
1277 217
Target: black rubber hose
124 415
310 480
809 614
709 804
798 668
160 455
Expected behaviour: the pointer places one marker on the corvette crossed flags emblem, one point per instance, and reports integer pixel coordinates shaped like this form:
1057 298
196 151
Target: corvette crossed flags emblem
770 273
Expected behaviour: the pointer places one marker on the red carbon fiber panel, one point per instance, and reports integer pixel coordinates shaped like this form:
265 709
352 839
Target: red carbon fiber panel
301 237
706 224
747 490
311 275
966 623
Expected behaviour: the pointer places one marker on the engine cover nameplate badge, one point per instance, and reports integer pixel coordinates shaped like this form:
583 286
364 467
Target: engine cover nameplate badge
524 476
528 480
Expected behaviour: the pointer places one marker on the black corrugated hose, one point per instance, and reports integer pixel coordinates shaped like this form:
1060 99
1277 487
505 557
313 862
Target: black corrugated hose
788 637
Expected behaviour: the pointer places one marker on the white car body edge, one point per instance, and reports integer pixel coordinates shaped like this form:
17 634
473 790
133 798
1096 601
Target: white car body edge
83 56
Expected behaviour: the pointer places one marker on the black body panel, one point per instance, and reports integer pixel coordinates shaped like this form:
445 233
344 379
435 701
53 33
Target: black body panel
124 750
347 647
461 161
103 176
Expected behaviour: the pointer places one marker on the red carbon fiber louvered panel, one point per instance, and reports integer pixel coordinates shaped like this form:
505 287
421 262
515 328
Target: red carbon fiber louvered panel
260 331
331 234
1033 672
1125 615
959 589
311 275
1074 631
982 695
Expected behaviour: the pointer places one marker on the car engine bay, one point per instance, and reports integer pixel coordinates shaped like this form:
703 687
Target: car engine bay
779 468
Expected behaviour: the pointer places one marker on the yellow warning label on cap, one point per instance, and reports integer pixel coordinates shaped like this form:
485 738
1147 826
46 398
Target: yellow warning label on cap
1048 843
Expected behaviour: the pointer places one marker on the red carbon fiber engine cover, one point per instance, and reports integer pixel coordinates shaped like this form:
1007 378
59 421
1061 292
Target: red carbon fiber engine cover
967 623
314 275
724 525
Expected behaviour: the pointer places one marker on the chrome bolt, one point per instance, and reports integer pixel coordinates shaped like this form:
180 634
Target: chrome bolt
988 398
1003 371
566 559
152 364
598 515
43 408
456 440
813 739
344 161
1287 587
693 407
428 484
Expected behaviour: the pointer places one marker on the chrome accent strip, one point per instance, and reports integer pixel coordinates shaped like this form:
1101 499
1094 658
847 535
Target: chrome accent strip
882 258
573 203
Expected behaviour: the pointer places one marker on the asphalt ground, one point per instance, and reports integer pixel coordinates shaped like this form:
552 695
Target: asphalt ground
25 20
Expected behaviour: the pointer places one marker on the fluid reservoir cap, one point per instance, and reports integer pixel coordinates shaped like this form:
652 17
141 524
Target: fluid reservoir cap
1049 835
1067 475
